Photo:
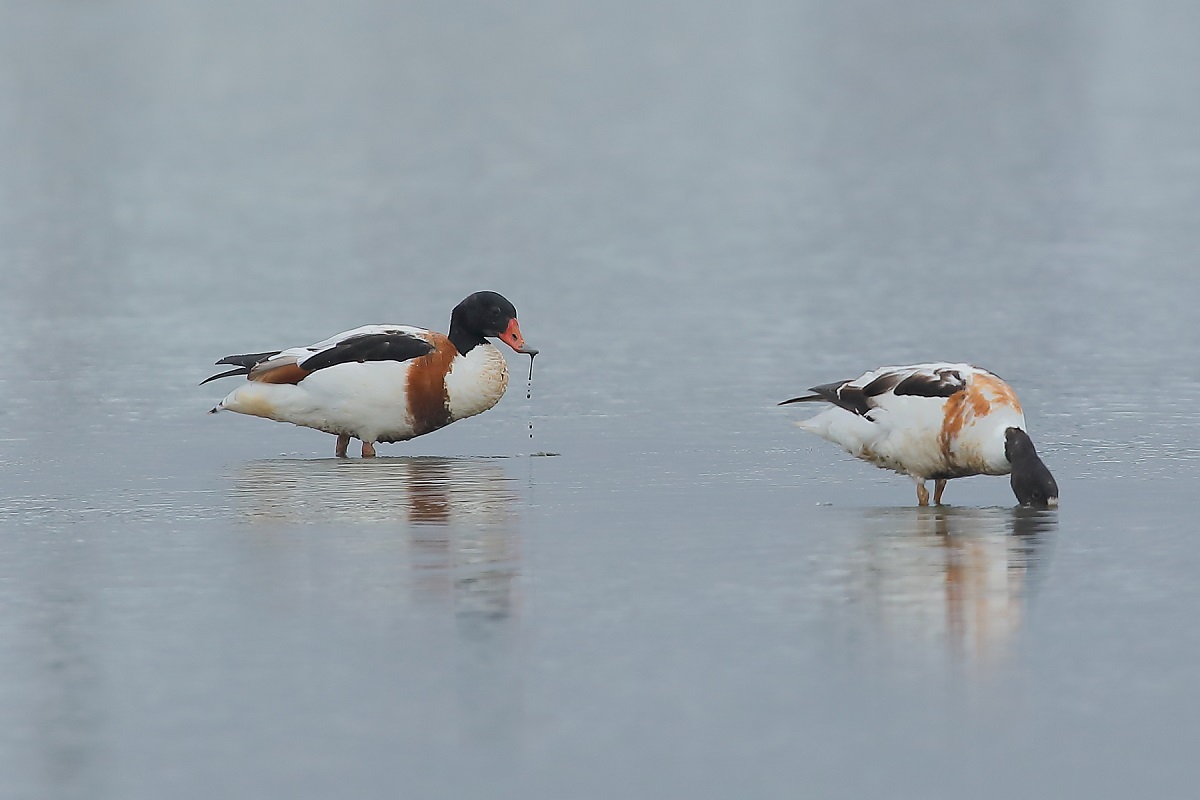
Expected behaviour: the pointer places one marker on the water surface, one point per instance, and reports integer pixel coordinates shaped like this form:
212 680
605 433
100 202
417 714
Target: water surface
699 210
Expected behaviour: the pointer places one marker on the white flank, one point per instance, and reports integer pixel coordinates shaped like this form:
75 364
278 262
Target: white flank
366 401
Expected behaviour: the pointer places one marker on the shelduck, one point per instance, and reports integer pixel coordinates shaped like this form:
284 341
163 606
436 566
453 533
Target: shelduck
934 422
383 383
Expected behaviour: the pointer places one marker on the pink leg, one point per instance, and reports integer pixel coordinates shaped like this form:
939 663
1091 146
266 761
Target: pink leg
939 486
342 444
368 450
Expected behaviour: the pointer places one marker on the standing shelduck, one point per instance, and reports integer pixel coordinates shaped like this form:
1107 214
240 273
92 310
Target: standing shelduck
934 422
383 383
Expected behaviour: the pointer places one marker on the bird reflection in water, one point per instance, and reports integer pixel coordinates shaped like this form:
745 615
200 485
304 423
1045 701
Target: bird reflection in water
459 517
952 579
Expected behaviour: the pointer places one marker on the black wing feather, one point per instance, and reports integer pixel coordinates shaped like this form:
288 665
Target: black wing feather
841 393
369 347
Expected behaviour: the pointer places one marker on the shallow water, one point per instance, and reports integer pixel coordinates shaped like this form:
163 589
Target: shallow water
699 211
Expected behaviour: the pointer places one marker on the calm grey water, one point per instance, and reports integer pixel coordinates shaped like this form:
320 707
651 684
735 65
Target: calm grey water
699 209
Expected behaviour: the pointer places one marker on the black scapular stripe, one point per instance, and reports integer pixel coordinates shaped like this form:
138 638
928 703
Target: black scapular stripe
369 347
943 383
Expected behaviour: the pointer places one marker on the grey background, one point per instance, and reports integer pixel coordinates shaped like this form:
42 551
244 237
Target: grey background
699 209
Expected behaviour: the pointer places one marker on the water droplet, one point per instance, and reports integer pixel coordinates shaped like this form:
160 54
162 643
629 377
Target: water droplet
529 396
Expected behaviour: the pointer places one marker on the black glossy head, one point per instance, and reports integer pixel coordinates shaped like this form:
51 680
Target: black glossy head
484 314
1031 481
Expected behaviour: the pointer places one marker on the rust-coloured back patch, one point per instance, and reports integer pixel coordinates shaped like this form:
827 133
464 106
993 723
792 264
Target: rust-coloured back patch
428 400
953 421
1001 391
284 373
974 402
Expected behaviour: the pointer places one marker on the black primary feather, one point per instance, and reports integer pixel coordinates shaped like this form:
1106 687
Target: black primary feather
369 347
841 393
243 364
249 359
808 398
230 373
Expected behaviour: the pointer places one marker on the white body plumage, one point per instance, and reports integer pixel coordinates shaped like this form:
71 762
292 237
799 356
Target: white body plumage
928 437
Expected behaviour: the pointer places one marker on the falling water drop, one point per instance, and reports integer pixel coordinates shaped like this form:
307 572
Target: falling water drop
529 394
